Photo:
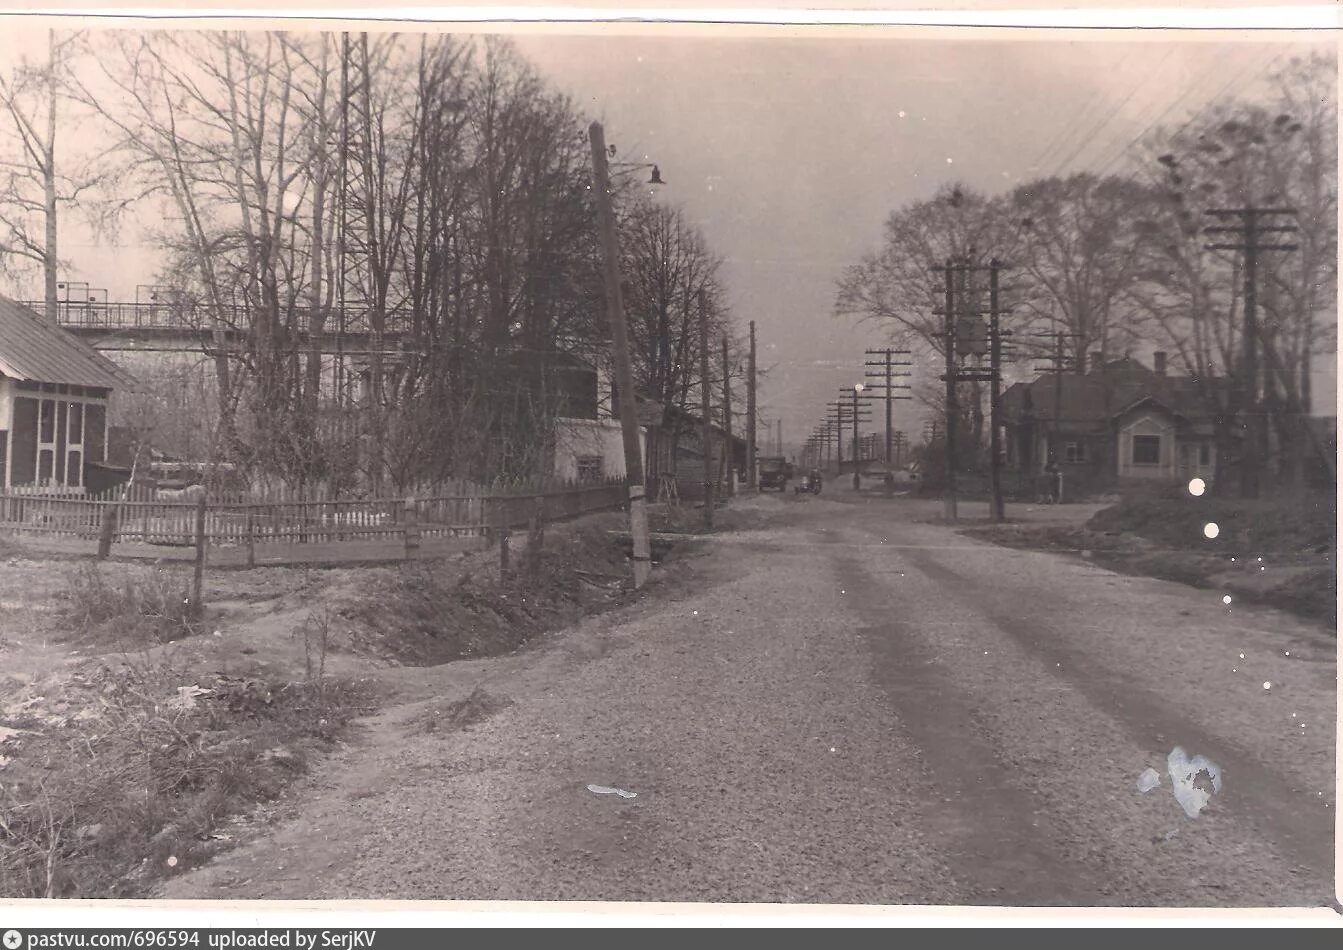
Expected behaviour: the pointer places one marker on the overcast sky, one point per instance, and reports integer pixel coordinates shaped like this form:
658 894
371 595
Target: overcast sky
789 151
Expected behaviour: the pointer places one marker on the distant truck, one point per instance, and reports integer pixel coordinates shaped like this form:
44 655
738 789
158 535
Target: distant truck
774 472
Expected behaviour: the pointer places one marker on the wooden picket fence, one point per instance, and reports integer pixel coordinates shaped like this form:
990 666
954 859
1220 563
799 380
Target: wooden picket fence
234 520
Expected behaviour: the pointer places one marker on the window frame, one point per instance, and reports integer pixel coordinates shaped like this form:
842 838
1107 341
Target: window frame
1143 439
588 462
1075 452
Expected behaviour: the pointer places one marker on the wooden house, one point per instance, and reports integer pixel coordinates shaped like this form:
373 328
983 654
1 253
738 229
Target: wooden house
54 392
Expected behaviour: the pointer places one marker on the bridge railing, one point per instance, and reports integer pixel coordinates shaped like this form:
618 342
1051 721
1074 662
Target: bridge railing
125 315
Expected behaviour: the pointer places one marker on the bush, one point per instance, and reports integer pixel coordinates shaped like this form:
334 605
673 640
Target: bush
154 608
101 806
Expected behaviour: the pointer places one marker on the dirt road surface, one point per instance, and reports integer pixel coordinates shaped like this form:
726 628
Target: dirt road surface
855 704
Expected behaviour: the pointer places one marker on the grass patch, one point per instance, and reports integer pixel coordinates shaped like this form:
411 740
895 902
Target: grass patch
120 770
1172 518
1271 551
139 783
426 613
142 608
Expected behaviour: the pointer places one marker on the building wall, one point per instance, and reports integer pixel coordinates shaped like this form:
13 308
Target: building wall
6 424
53 431
590 438
1148 424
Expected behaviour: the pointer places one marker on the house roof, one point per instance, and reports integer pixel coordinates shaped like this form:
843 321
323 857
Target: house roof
1108 390
34 350
1148 402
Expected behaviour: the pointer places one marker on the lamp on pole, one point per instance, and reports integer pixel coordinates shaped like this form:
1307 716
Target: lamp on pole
615 311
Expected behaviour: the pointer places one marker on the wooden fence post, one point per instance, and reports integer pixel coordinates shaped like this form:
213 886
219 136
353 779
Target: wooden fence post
251 537
200 559
107 530
536 530
410 528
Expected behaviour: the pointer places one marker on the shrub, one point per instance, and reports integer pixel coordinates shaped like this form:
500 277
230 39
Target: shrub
152 608
102 806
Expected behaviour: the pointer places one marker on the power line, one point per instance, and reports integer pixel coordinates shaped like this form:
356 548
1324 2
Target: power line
1067 129
1111 116
1209 103
1209 73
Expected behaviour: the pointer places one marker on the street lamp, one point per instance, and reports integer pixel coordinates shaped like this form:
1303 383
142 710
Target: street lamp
654 179
629 420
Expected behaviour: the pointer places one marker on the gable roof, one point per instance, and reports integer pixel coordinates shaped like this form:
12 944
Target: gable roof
34 350
1101 394
1149 402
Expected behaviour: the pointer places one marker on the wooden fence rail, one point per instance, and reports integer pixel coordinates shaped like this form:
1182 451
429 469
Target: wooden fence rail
231 521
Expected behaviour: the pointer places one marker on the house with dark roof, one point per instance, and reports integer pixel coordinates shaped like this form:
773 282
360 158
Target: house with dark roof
1118 421
54 392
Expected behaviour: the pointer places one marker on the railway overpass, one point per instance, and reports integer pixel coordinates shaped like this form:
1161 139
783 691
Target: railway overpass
150 327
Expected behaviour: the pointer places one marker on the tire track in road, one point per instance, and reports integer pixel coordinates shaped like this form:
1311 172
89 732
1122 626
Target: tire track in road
989 828
1285 816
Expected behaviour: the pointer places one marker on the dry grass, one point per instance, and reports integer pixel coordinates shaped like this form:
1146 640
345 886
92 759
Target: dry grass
136 610
103 803
121 770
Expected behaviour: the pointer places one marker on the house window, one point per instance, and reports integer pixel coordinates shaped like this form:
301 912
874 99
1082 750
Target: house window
1074 451
74 455
47 423
1204 453
1147 450
590 468
46 442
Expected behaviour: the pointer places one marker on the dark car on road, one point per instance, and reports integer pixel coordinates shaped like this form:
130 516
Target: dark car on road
774 473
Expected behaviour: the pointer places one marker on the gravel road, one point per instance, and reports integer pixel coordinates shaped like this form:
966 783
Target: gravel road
852 704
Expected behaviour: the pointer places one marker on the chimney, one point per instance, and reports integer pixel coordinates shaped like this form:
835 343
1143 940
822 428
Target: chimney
1159 363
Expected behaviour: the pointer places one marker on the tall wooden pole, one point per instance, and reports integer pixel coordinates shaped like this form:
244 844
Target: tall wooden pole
1255 225
615 311
949 436
706 427
750 413
995 364
729 472
856 482
890 396
1056 445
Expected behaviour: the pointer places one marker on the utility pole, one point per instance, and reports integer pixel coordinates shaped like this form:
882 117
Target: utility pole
962 338
728 471
995 371
857 394
847 411
615 311
884 379
1057 360
750 413
706 427
778 442
949 436
1250 230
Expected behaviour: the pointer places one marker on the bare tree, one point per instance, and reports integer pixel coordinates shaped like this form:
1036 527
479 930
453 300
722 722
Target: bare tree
34 186
1276 152
898 287
1078 251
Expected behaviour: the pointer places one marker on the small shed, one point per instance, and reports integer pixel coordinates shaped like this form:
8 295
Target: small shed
54 393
